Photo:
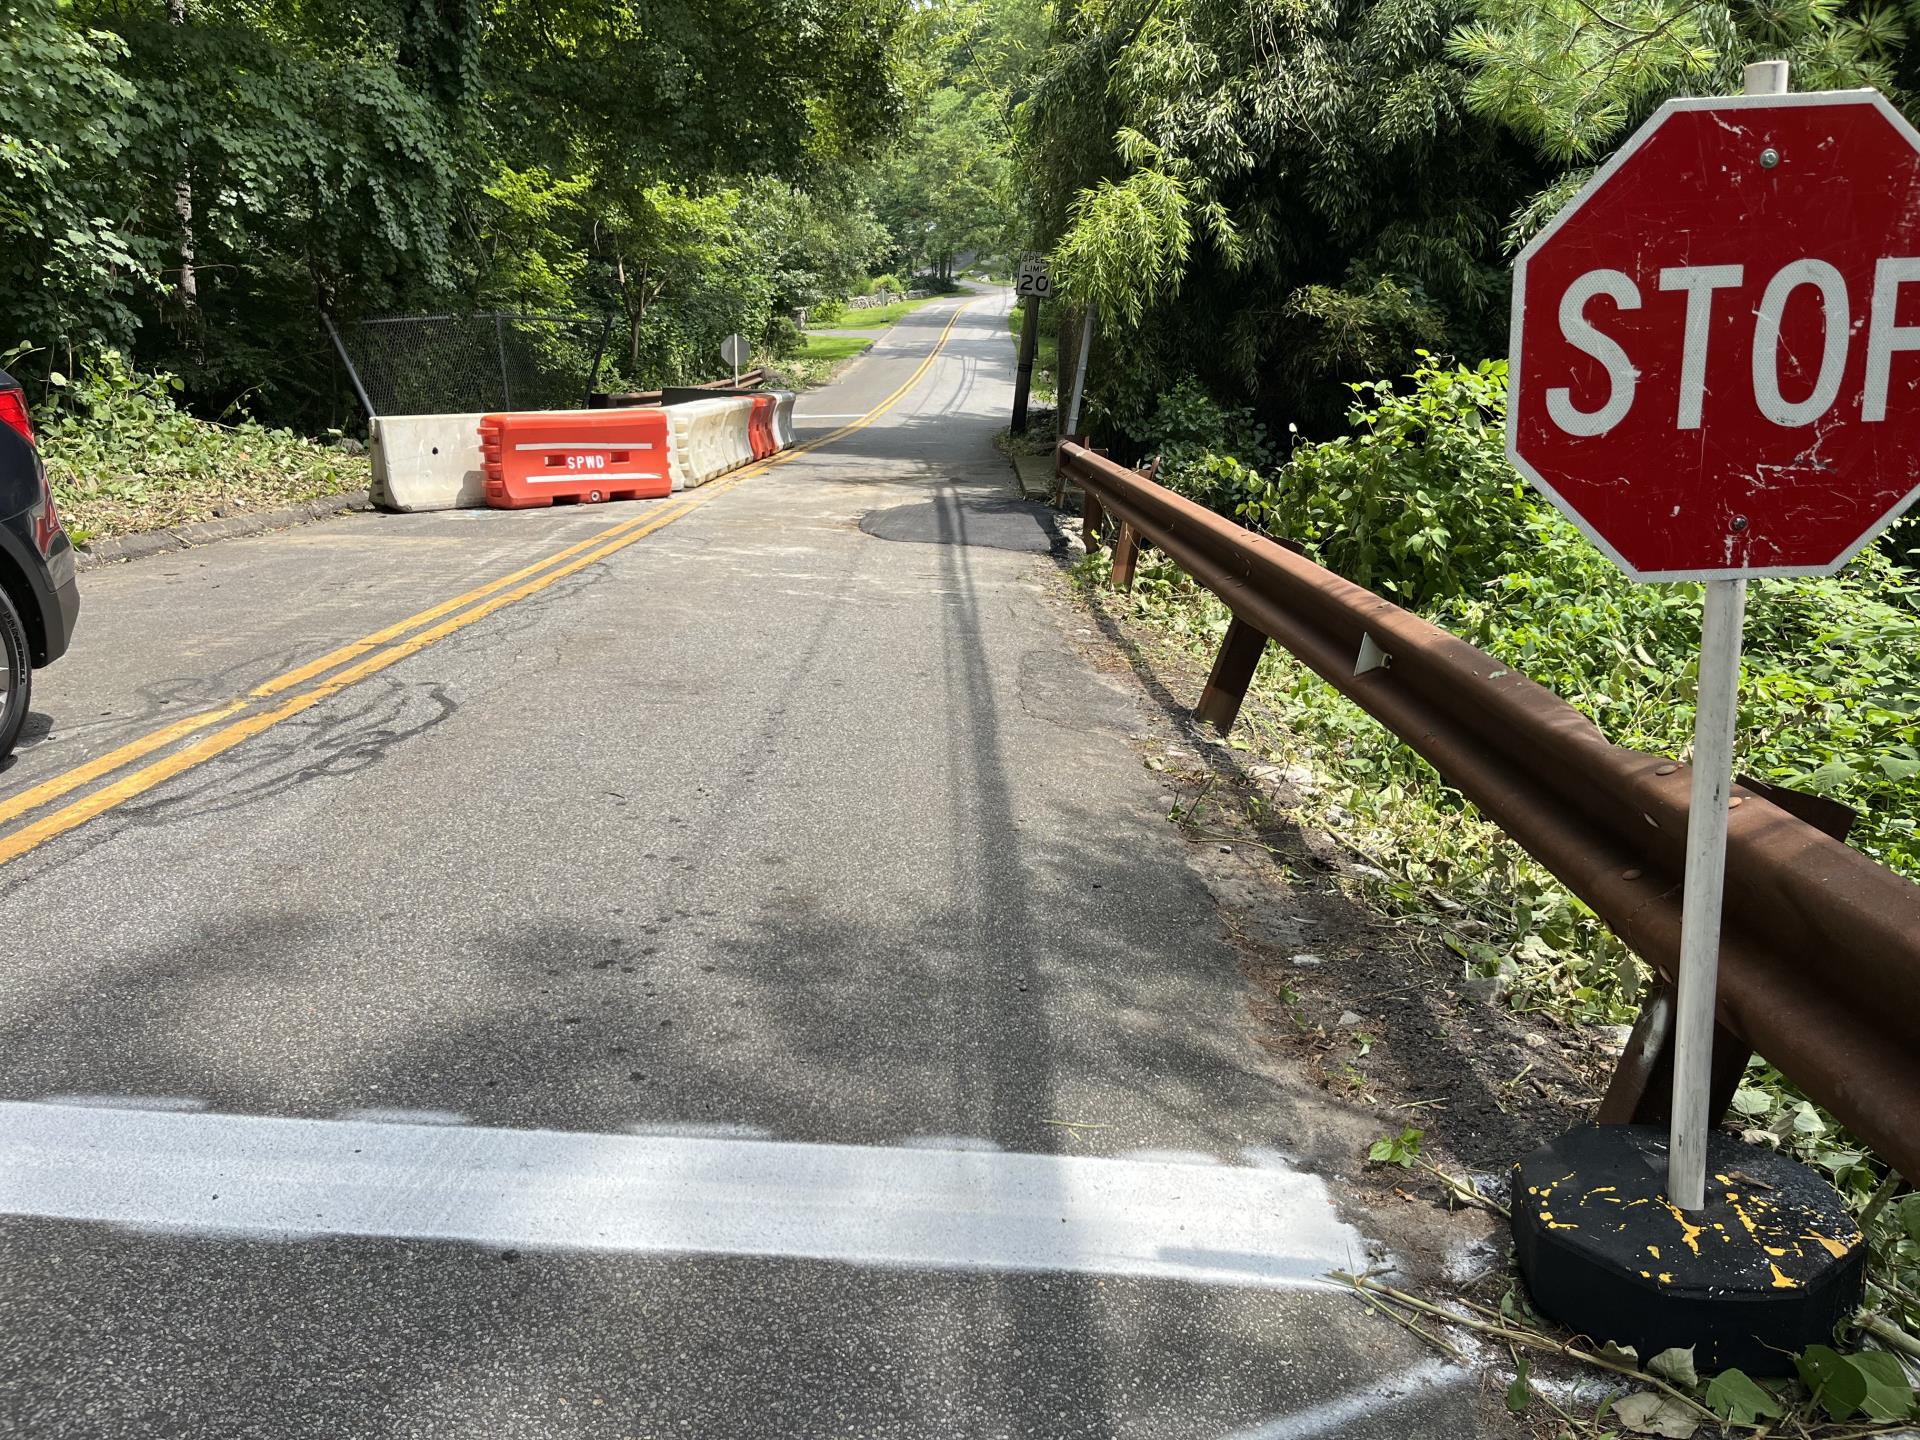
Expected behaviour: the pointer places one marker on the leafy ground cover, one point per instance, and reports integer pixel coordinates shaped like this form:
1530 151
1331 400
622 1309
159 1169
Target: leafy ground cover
123 458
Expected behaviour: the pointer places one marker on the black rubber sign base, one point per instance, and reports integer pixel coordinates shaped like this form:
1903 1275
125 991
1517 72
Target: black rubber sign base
1770 1266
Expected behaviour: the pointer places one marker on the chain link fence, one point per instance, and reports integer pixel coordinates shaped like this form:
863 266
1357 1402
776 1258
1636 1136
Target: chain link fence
475 363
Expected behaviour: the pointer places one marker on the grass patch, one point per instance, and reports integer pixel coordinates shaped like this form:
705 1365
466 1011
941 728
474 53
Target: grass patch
124 459
833 348
879 315
816 360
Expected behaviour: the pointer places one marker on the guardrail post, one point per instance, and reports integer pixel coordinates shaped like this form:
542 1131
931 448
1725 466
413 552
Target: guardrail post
1641 1090
1126 552
1093 519
1232 672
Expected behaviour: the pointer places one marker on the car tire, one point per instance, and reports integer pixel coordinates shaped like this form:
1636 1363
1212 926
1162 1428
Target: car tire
16 675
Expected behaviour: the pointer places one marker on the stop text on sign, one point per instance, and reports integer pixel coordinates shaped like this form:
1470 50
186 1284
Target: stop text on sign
1775 369
1715 357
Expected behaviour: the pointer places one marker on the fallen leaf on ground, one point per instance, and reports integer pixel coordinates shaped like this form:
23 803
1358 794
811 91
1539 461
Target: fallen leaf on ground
1651 1413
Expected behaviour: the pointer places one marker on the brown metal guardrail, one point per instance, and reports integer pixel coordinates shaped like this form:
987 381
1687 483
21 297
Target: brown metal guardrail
1820 946
749 380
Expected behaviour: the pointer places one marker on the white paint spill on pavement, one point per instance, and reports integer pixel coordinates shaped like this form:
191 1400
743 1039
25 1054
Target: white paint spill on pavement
1259 1225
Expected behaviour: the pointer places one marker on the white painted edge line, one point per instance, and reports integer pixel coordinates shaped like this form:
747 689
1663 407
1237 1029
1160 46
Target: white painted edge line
1260 1226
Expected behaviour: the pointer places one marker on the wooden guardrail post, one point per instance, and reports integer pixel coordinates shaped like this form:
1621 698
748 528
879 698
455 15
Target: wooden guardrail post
1126 545
1232 673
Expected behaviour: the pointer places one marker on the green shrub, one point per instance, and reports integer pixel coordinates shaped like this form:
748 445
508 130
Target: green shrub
1421 505
1419 502
783 338
1208 452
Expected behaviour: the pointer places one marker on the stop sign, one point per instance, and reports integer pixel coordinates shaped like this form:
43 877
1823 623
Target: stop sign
1716 345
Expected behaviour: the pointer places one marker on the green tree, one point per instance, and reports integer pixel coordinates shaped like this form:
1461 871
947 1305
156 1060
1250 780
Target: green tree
72 264
1574 76
1277 199
190 180
948 186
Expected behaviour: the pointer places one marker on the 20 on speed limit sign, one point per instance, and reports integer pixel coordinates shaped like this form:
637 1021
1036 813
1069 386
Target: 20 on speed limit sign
1716 347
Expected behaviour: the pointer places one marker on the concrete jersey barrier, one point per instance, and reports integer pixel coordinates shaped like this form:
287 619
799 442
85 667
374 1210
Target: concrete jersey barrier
427 462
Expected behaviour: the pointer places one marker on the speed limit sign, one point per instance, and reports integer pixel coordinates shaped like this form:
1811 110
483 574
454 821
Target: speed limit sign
1033 278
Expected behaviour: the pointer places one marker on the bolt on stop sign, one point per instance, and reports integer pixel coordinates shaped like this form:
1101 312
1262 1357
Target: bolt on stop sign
1716 346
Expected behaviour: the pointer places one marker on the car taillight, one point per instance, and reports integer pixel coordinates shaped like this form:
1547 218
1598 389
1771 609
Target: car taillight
46 520
13 411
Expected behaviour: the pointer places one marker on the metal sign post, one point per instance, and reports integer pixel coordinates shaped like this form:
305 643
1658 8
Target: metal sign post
1715 710
1080 373
1023 373
1031 285
734 351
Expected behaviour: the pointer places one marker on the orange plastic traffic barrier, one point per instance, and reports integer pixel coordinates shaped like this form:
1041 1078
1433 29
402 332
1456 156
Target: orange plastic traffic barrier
760 427
586 456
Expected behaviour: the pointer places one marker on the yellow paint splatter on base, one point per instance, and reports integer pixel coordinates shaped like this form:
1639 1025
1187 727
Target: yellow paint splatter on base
1689 1232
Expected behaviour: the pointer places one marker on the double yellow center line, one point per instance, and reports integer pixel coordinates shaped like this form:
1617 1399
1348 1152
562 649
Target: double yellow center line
262 707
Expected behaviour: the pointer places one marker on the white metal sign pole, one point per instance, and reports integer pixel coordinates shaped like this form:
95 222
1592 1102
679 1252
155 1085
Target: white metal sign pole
1713 724
1080 375
1713 728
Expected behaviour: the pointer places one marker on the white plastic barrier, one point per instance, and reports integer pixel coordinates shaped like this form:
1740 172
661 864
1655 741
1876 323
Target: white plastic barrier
708 438
783 418
427 462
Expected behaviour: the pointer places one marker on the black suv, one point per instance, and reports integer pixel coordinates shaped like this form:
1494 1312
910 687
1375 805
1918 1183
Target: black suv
39 598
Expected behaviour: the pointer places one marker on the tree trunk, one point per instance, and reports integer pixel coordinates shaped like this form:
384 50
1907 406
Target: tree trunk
183 202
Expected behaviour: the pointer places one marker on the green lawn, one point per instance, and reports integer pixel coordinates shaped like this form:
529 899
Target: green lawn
880 314
816 360
823 346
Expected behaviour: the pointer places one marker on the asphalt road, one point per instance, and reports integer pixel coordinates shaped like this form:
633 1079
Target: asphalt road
743 986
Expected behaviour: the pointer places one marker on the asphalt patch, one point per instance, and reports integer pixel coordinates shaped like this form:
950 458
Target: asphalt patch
989 522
